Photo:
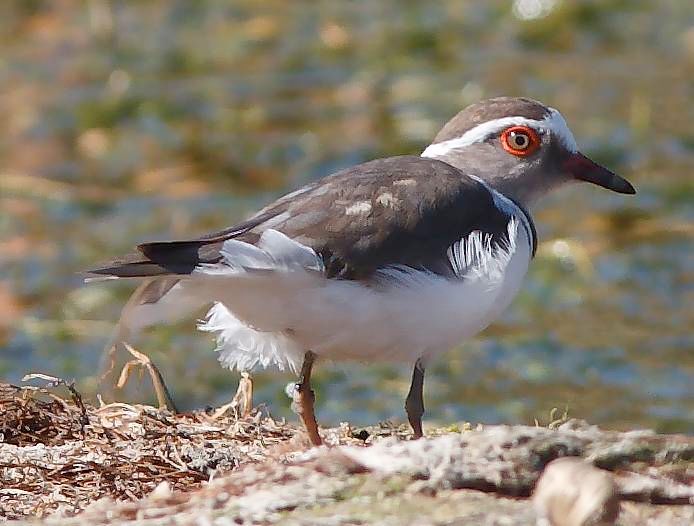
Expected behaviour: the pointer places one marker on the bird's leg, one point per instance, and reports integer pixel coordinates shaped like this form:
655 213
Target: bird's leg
303 398
414 404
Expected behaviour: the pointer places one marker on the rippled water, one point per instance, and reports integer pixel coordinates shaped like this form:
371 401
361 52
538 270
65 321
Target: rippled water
168 119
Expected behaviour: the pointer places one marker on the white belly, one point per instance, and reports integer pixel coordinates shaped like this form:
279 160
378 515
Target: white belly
273 318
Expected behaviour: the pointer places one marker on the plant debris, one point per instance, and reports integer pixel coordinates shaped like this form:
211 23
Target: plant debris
60 455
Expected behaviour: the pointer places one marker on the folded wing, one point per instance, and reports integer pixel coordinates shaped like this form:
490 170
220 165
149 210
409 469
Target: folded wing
398 211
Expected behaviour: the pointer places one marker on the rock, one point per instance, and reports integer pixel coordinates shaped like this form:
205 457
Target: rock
572 492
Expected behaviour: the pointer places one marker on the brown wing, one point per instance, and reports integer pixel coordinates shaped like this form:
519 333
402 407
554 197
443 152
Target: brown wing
396 211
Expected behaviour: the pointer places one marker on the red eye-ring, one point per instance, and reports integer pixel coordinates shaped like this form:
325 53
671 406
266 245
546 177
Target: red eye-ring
520 140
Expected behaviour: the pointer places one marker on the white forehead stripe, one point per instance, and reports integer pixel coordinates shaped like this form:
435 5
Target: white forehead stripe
554 123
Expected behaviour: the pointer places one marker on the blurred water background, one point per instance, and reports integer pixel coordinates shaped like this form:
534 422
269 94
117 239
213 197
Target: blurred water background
129 121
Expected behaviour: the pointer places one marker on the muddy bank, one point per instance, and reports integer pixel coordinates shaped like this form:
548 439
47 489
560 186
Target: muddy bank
66 462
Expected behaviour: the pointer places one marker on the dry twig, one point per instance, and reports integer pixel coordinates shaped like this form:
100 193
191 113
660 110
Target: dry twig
164 398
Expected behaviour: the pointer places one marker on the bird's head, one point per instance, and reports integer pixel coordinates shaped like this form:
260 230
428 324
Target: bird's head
520 147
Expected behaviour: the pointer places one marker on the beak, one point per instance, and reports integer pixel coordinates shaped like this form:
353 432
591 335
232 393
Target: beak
581 167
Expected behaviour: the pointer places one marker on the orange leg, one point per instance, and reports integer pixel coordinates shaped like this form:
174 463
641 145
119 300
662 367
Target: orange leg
303 399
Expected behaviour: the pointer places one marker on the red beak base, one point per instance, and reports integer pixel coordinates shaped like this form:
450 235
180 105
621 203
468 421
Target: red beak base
585 169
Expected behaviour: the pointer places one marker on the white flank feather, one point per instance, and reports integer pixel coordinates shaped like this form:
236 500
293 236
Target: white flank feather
243 348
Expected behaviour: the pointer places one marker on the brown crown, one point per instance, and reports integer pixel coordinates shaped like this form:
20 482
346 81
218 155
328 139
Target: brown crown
490 109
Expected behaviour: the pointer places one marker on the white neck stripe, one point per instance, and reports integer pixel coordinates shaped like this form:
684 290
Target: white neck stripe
554 123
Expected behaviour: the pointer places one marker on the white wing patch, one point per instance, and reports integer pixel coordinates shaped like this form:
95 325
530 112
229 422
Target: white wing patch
274 251
474 256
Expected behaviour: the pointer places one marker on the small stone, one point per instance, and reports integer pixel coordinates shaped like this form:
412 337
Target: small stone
572 492
360 434
161 492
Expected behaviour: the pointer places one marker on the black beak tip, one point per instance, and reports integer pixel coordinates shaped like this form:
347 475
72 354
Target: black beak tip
581 167
627 188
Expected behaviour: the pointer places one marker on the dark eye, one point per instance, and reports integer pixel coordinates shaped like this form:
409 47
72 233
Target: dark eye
520 140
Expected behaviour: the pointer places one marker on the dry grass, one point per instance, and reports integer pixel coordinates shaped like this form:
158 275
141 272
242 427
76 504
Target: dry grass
59 454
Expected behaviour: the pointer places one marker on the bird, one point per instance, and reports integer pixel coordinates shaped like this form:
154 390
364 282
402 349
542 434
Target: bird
395 259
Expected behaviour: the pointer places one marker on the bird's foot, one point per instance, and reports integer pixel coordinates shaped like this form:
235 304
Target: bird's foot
303 399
